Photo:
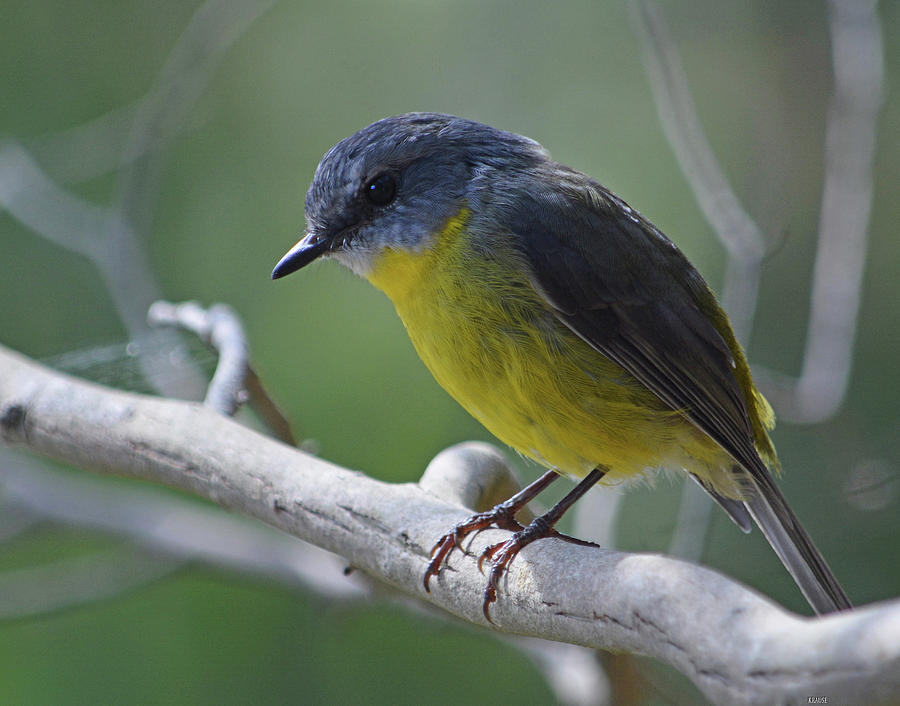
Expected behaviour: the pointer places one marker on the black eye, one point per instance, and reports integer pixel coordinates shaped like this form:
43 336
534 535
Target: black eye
381 190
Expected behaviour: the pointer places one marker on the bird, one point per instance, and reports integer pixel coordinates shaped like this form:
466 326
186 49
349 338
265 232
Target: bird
558 316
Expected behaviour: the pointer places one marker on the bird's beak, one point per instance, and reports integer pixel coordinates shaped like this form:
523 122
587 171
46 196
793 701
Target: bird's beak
308 249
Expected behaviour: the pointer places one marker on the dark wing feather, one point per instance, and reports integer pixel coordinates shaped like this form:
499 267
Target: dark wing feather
624 288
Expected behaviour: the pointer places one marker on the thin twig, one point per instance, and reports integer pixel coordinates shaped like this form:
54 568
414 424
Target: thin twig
268 410
215 26
234 380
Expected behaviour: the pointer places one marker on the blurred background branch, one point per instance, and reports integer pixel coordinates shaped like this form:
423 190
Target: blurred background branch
853 111
113 238
817 394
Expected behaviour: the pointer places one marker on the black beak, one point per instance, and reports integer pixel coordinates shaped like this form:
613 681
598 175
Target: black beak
310 247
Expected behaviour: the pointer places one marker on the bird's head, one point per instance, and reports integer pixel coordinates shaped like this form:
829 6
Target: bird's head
394 184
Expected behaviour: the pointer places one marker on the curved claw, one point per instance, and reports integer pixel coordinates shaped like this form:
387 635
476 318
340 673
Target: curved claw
488 554
501 556
439 553
500 516
503 515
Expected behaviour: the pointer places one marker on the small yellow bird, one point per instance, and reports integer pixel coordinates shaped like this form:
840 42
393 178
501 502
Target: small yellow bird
559 317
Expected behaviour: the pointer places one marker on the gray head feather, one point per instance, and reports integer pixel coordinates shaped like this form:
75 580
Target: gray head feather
434 159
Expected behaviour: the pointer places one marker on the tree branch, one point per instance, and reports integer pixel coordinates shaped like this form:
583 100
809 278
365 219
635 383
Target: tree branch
644 603
234 381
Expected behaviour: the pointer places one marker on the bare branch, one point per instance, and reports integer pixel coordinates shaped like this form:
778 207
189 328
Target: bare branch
168 525
600 598
161 523
111 236
722 209
221 329
234 380
38 203
215 26
77 580
818 392
75 224
857 55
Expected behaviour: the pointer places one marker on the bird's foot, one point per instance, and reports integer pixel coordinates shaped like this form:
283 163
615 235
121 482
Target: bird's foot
501 554
502 516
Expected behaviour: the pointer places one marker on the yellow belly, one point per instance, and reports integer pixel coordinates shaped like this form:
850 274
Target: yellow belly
492 343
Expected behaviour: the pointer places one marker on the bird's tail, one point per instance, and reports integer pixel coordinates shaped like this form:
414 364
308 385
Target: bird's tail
790 541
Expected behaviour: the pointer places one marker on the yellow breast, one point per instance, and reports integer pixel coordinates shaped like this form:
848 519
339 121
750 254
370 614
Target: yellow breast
492 342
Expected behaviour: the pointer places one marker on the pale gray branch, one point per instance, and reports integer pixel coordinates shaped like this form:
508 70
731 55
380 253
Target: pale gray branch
164 524
77 580
818 392
675 611
221 329
857 56
38 203
168 525
721 207
234 381
111 236
77 225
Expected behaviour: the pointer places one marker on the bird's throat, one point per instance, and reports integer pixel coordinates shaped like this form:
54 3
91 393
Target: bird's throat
398 272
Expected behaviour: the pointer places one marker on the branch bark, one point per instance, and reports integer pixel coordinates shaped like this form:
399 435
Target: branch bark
734 644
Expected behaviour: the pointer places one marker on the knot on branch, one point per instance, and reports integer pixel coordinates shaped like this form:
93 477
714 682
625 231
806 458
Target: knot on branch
12 420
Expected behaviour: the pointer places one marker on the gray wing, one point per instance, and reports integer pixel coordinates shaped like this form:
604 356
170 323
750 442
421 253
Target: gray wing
624 288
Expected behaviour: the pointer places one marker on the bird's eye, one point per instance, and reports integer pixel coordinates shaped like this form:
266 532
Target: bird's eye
381 189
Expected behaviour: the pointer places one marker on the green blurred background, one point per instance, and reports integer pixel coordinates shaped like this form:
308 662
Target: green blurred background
230 185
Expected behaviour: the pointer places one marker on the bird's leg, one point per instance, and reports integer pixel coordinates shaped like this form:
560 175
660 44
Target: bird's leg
502 515
501 554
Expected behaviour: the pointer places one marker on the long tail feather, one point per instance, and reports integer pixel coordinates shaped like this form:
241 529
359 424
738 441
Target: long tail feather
790 541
